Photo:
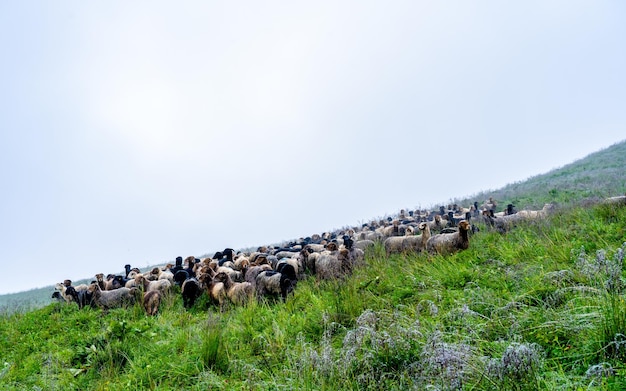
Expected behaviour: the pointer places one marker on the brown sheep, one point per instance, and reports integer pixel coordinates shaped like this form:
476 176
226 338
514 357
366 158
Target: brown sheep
215 290
151 302
239 293
417 243
146 286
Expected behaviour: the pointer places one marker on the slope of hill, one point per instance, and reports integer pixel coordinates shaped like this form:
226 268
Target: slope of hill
540 307
598 175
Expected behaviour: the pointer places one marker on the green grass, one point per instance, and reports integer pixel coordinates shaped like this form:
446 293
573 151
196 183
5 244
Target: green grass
521 311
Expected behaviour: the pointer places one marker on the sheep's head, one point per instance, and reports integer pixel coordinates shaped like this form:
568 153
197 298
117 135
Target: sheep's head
220 277
261 259
59 286
464 225
423 226
67 282
332 246
100 277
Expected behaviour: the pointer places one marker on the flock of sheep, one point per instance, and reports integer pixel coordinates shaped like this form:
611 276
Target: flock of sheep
235 278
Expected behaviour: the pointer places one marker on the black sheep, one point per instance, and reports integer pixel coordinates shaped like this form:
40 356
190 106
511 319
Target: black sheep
190 291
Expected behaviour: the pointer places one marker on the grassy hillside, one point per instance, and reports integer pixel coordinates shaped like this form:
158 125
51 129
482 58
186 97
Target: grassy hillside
540 307
599 175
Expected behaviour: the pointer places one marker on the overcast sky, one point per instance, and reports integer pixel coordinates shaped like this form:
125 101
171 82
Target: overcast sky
134 132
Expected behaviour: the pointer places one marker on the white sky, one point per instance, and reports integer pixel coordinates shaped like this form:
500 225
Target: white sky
134 132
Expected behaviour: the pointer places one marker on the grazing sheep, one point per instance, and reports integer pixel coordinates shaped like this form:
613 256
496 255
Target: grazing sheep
393 244
191 291
335 265
235 275
506 222
254 271
151 302
296 264
450 242
239 293
160 274
536 214
391 230
364 244
307 258
115 298
417 243
437 224
215 290
273 284
146 286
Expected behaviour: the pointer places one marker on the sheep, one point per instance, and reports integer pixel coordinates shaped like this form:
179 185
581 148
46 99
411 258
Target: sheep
274 284
296 263
307 259
241 262
115 298
238 293
506 222
160 274
417 243
235 275
254 271
364 244
436 224
374 236
535 214
215 290
146 286
68 293
393 244
391 230
356 256
450 242
333 265
190 291
151 302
